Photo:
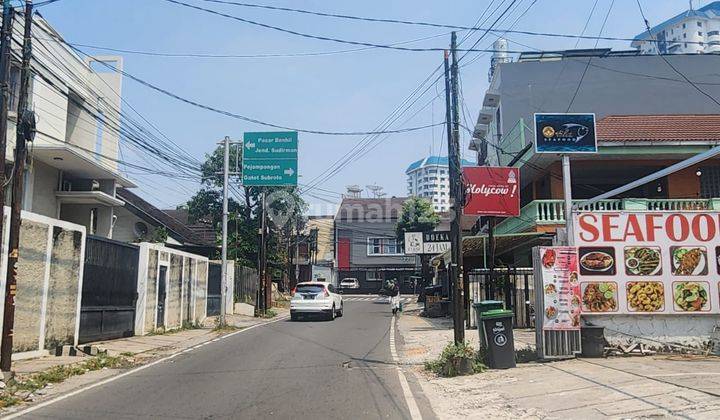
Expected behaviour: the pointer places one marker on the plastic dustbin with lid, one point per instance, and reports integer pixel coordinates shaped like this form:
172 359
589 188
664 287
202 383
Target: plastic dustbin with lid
500 343
484 306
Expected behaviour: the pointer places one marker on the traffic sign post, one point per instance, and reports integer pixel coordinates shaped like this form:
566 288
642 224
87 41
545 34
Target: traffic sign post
270 159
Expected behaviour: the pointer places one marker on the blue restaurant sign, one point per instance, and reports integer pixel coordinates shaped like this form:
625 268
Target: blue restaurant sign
565 133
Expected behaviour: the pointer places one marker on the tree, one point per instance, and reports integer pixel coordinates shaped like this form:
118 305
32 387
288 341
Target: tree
417 215
285 206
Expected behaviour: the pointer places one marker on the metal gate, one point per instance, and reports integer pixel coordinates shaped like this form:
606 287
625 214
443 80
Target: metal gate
213 293
512 285
109 290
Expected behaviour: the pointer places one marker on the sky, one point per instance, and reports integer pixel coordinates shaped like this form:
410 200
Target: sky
348 91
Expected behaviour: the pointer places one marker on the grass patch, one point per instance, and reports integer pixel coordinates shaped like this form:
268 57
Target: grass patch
457 359
222 326
18 389
186 325
270 313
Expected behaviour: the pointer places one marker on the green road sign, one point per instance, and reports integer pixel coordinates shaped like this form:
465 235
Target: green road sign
270 159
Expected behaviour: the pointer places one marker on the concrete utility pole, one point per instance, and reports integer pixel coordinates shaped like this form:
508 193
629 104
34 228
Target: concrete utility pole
456 190
223 269
5 41
25 132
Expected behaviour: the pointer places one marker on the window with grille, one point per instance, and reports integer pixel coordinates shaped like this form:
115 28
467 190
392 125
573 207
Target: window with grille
710 182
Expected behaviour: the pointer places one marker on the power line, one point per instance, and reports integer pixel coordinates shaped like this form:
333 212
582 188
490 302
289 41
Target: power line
215 55
647 25
420 23
317 37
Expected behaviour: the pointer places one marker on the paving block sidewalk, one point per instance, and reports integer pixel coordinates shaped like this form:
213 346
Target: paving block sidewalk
663 386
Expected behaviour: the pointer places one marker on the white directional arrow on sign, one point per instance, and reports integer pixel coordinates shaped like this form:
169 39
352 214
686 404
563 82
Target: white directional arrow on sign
250 145
289 171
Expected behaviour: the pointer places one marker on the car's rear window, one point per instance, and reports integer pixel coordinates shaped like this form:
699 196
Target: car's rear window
348 281
310 288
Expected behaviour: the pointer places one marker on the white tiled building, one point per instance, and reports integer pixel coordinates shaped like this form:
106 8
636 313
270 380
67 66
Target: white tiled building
429 178
690 32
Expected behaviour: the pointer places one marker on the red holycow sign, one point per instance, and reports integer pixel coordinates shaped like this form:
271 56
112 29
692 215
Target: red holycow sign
491 191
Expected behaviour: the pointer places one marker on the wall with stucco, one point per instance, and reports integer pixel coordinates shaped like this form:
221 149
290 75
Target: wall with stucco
186 291
657 331
49 280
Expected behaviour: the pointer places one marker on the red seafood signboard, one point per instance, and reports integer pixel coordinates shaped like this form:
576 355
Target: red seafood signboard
649 262
491 191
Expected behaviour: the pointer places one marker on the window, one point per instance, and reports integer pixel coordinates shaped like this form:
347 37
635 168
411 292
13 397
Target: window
442 172
683 26
373 276
713 33
700 33
435 200
699 24
710 182
99 132
684 35
383 246
442 192
93 220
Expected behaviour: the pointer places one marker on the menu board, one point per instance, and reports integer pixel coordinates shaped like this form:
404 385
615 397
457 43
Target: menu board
649 262
561 288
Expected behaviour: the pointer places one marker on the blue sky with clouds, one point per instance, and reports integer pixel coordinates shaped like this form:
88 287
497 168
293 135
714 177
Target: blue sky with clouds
351 91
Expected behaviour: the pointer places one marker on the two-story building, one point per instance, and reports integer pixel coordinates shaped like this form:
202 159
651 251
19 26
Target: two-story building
366 245
648 117
73 172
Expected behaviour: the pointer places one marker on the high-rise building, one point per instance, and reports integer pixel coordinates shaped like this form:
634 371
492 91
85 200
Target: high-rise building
429 178
690 32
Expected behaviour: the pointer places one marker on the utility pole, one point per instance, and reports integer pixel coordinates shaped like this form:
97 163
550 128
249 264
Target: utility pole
456 193
567 193
223 268
5 41
297 251
25 132
262 266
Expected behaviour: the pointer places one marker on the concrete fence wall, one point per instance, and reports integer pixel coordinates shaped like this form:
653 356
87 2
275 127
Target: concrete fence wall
49 283
186 283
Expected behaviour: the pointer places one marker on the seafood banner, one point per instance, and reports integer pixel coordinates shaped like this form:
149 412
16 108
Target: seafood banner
561 289
649 262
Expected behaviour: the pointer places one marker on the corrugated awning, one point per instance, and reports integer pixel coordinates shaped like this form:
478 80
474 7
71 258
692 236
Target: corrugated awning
474 246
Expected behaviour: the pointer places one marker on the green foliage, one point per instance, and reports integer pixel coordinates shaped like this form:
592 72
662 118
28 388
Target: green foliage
159 235
244 215
417 216
456 359
17 389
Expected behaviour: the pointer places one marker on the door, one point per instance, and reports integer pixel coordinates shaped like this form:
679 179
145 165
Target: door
109 290
162 293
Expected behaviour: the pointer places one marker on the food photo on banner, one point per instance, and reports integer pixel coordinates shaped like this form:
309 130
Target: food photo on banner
649 263
561 288
565 133
491 191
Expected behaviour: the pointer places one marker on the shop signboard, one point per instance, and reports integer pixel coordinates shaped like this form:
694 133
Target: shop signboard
649 262
432 243
561 288
491 191
565 133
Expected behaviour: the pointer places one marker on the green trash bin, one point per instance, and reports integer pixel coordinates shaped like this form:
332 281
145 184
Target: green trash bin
500 343
484 306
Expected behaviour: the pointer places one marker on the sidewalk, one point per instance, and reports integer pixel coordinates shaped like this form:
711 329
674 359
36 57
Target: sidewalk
666 386
138 350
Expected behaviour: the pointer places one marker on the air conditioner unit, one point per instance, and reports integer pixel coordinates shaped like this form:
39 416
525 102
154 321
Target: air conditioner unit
95 185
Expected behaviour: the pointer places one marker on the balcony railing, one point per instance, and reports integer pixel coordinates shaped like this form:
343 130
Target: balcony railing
552 212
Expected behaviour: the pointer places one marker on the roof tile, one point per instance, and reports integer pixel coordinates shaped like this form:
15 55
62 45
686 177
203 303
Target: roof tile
659 128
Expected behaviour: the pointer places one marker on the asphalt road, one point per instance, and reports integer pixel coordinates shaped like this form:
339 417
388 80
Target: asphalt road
308 369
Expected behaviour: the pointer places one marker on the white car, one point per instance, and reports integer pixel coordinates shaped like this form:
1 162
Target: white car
349 283
313 298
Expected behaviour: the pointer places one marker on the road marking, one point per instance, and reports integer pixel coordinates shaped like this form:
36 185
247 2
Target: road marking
409 397
130 372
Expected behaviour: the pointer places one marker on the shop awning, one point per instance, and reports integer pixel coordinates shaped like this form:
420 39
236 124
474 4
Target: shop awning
475 246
